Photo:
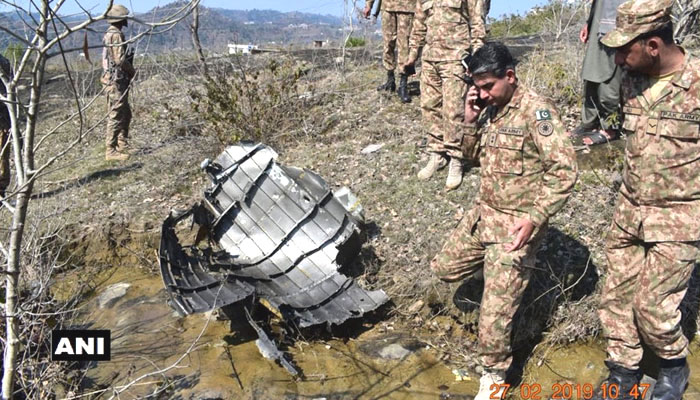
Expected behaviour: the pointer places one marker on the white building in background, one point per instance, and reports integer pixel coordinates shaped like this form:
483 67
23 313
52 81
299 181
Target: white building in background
241 48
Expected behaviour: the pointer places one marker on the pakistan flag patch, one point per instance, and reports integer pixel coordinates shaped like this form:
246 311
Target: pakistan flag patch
543 115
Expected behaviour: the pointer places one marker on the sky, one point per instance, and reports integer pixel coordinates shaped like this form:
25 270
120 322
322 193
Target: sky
333 7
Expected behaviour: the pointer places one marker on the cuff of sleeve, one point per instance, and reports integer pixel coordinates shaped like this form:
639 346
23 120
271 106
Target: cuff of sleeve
413 54
538 218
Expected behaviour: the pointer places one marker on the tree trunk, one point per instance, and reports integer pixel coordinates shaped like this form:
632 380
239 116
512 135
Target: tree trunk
24 147
12 293
24 163
195 40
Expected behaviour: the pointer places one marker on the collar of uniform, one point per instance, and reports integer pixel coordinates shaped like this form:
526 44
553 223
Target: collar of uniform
517 97
113 28
684 78
513 103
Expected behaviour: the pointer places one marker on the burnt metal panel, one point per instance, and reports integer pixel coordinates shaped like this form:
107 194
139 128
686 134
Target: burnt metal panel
192 288
284 236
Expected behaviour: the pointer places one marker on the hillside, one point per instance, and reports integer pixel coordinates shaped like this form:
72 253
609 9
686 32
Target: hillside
217 28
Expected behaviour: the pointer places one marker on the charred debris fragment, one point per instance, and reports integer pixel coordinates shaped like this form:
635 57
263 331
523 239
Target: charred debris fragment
282 236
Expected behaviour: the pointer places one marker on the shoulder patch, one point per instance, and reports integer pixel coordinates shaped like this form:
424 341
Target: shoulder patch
543 115
545 128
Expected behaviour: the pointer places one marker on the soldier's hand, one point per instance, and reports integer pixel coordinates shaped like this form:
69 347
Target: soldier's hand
471 108
583 35
523 229
366 11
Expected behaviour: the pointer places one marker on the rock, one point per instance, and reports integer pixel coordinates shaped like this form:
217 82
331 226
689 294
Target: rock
112 294
617 178
372 148
416 307
394 351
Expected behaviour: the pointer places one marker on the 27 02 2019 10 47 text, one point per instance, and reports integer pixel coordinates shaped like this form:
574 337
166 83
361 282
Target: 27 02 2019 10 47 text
568 391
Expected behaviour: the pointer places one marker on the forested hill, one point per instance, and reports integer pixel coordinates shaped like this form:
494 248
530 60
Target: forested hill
218 27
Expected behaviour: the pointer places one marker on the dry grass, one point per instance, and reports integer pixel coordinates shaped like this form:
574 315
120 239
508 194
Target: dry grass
555 72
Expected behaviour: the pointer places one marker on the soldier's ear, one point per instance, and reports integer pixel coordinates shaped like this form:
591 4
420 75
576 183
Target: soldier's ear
510 76
652 45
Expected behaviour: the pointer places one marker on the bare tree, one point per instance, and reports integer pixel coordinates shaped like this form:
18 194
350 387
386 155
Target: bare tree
42 34
563 17
349 11
194 28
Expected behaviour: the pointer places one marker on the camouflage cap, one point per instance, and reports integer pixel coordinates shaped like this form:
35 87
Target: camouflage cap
635 17
117 13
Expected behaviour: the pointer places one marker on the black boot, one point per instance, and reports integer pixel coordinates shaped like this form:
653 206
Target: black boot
621 381
403 89
673 380
389 85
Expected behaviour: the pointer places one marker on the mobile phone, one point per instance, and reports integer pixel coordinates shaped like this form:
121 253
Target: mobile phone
481 103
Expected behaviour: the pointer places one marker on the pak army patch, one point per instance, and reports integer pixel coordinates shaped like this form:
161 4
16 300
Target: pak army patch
545 128
543 115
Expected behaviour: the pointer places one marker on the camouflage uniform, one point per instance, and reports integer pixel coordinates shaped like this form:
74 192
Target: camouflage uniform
397 18
528 169
654 238
116 80
448 30
4 131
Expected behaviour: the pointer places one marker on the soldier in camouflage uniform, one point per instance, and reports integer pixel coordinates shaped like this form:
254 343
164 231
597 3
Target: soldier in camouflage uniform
528 170
397 18
446 30
117 76
4 130
654 239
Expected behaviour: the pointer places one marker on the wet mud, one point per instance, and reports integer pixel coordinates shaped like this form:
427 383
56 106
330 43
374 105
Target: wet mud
158 353
221 359
200 356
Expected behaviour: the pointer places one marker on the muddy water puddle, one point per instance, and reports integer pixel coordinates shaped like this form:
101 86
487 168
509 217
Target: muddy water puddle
570 369
221 359
200 357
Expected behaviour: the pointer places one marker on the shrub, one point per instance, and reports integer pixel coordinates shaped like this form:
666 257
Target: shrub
556 19
250 104
514 25
354 42
554 72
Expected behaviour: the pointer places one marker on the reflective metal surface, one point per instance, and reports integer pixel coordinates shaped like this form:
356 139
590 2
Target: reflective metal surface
283 235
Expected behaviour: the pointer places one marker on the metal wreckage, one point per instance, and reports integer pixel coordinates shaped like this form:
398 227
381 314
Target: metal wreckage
283 237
